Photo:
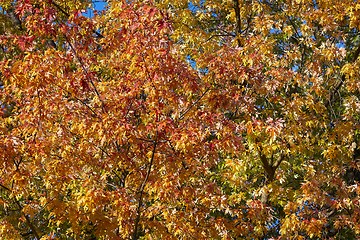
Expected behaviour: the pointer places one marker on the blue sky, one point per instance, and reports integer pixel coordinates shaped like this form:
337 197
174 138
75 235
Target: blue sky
97 5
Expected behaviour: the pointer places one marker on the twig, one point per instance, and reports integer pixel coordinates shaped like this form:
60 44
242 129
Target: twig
86 72
220 35
81 101
182 115
4 187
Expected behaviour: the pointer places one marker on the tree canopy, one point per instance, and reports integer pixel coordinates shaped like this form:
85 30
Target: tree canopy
203 119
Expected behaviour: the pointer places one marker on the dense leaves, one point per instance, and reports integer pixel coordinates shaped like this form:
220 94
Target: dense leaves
180 120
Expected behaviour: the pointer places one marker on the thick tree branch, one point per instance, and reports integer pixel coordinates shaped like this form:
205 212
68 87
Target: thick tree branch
28 221
269 169
238 21
269 164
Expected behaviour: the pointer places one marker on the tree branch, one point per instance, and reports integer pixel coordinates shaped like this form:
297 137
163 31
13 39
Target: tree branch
182 115
4 187
86 72
81 101
28 221
332 94
238 21
141 192
220 35
269 169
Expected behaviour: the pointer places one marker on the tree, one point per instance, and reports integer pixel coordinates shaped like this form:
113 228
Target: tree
180 120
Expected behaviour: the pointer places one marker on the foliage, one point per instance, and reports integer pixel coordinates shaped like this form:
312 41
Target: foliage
180 120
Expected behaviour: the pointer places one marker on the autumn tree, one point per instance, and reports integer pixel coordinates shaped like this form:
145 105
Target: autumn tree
180 120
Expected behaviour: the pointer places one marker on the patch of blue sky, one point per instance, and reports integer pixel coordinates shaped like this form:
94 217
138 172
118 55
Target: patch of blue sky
275 31
195 7
295 68
96 6
340 44
192 63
